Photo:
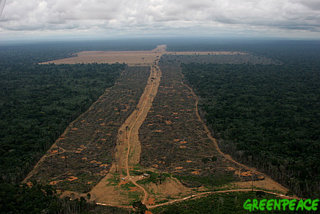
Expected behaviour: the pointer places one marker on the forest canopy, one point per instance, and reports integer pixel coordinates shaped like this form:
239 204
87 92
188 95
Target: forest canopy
38 102
265 115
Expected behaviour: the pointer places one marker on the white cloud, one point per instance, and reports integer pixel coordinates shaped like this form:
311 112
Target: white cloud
121 17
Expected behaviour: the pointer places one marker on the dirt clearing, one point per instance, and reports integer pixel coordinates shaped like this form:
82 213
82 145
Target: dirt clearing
132 58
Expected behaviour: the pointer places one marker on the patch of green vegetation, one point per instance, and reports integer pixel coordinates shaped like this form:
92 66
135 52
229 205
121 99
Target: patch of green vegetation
152 192
132 152
162 201
115 180
137 167
127 186
210 181
134 196
135 172
266 115
44 199
154 178
224 203
124 172
38 102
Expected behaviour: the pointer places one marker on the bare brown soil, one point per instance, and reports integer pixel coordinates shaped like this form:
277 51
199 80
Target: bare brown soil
132 58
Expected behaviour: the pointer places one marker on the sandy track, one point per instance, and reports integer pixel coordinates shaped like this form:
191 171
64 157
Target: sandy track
132 139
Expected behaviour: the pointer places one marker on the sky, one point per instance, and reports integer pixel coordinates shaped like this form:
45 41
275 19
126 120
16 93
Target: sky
83 19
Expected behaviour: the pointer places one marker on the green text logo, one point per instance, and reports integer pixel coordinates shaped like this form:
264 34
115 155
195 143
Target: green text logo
281 205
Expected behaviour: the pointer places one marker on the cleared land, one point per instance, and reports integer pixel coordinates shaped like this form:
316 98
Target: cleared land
125 189
174 140
179 157
83 154
136 58
132 58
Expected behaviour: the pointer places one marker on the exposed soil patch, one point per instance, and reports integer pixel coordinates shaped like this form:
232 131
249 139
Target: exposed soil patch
132 58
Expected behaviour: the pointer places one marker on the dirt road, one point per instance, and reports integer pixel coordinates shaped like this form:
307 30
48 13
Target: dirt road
131 132
128 150
128 155
199 195
128 146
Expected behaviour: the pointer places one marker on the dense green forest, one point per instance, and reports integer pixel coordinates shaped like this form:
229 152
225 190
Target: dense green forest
46 51
266 115
16 199
37 102
223 203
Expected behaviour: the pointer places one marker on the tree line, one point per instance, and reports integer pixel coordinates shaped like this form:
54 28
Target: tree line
37 102
266 116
